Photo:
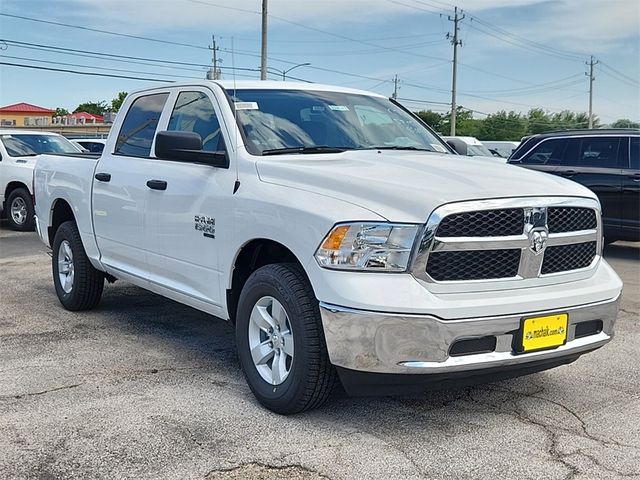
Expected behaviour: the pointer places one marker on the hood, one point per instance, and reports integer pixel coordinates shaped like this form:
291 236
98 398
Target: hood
408 186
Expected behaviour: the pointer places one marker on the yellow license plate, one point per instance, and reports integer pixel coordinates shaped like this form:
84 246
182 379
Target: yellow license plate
544 332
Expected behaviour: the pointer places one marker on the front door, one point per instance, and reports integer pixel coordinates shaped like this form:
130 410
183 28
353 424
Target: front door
120 192
190 218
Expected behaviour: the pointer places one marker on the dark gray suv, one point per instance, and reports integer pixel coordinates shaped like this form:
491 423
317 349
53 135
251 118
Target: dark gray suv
606 161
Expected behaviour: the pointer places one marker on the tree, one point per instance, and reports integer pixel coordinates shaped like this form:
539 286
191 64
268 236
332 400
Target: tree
466 125
625 123
95 108
503 126
431 118
61 112
116 103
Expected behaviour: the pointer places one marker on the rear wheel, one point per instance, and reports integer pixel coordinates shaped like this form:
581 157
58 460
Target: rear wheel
280 340
78 284
20 210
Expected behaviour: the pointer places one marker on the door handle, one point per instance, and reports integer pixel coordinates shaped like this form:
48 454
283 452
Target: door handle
103 177
157 184
568 173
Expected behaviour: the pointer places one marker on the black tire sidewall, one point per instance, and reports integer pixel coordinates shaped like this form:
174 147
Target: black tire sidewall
29 222
264 283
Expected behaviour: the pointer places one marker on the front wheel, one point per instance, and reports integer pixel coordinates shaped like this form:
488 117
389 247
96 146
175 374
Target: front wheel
78 284
280 340
20 210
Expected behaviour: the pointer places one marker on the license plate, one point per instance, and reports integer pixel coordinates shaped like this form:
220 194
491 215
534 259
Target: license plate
539 333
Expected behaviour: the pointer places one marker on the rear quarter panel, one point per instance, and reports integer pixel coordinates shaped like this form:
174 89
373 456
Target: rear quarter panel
69 179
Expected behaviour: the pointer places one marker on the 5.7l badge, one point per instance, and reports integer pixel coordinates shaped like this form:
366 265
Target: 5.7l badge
206 225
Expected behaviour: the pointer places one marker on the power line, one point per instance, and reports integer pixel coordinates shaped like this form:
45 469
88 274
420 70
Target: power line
106 32
618 72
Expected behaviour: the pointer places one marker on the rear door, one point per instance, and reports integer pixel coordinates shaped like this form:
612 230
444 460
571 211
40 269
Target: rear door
631 192
594 162
120 191
190 218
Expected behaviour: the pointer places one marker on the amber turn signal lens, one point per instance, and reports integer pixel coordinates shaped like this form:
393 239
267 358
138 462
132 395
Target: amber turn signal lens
335 238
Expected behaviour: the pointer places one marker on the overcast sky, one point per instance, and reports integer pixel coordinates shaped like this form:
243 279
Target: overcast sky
516 54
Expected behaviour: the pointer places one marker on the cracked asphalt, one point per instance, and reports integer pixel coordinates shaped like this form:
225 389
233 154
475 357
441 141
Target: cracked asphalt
143 387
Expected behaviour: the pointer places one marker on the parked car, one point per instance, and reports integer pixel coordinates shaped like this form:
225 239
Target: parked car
93 145
18 152
326 225
606 161
469 146
502 148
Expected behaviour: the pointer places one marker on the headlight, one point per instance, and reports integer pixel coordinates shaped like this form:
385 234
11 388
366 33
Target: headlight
368 246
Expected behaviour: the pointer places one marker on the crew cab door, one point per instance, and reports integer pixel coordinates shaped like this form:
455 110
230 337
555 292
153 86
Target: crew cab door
190 215
594 162
631 192
120 191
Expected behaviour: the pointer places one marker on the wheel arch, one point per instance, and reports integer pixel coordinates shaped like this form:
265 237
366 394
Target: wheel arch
252 255
61 212
14 185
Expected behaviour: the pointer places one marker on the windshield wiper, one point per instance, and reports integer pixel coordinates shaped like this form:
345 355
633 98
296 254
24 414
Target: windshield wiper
314 149
399 147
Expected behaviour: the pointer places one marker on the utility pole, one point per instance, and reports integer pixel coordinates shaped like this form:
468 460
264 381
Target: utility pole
591 64
214 72
455 42
263 57
395 88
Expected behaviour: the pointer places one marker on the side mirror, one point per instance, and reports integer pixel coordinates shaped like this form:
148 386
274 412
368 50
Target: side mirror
187 147
458 145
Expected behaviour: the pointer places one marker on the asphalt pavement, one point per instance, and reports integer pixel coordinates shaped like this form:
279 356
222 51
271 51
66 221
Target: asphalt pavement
143 387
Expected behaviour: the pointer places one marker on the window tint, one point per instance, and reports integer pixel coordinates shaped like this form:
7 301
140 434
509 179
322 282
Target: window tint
548 152
194 113
634 152
599 152
139 126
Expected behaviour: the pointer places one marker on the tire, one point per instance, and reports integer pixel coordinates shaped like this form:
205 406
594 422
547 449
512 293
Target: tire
311 377
84 287
19 210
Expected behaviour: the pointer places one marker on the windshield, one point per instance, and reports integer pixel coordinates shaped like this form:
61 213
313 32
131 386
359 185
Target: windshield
475 150
29 145
316 122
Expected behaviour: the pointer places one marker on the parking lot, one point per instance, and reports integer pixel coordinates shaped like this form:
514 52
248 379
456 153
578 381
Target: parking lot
143 387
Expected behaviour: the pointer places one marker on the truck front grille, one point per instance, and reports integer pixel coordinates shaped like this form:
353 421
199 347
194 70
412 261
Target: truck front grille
473 265
485 223
568 257
571 219
521 240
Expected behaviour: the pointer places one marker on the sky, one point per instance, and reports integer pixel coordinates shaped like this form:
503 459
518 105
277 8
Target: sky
515 54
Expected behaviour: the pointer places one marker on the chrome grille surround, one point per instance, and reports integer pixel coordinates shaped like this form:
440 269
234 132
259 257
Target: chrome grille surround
535 231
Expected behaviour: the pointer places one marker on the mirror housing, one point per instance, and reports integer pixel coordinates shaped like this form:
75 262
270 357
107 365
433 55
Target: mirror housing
187 147
458 145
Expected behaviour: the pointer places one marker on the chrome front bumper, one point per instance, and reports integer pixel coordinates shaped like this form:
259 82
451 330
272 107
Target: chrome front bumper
419 344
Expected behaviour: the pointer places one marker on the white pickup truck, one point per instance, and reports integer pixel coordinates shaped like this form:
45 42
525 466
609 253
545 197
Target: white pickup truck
339 234
19 150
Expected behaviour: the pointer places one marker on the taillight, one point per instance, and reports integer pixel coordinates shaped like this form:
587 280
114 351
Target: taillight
33 187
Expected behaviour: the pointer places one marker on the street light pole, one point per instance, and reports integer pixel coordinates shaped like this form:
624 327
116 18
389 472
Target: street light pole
284 72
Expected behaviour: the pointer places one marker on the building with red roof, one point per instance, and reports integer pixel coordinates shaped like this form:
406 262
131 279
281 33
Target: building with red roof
25 115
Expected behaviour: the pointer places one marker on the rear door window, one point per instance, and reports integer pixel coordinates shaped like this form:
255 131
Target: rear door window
547 152
139 126
595 152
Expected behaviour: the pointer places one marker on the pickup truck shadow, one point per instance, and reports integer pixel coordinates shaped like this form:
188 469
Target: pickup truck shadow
191 340
623 251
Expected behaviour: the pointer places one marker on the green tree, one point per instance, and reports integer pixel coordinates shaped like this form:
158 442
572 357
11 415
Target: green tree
116 103
503 126
538 121
431 118
61 112
466 125
96 108
625 123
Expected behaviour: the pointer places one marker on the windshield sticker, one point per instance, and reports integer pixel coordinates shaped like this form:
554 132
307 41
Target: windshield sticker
339 108
317 108
247 106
